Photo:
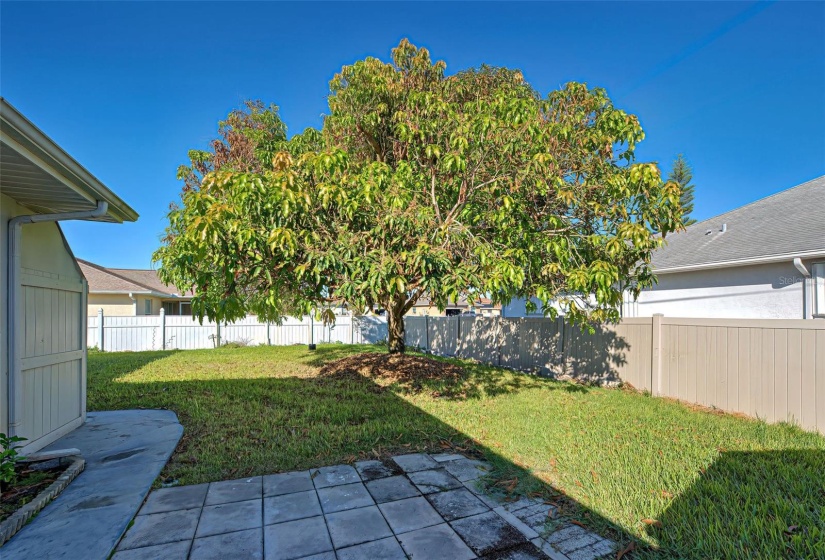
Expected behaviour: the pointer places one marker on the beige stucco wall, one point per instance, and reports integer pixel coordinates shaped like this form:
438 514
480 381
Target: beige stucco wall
44 251
421 311
121 305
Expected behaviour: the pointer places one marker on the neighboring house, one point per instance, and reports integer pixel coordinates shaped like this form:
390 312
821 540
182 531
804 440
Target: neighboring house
131 292
764 260
43 302
482 306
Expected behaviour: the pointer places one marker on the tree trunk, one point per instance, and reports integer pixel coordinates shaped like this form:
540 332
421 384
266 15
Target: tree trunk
395 328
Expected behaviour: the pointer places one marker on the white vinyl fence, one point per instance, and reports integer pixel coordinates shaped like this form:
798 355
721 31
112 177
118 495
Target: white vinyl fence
172 332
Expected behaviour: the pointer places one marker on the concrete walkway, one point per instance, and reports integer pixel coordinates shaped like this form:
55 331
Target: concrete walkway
125 452
413 506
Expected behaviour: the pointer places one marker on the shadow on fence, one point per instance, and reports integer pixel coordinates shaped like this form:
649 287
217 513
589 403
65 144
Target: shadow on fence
546 347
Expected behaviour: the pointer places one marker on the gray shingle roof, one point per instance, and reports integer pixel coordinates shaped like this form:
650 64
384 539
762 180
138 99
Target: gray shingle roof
788 223
102 279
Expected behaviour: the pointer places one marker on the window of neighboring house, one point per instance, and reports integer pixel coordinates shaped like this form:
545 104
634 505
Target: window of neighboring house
818 279
147 307
186 308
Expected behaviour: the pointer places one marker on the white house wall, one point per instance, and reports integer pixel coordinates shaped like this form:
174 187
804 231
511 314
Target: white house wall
768 291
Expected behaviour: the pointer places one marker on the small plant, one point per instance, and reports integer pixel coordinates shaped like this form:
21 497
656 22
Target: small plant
8 457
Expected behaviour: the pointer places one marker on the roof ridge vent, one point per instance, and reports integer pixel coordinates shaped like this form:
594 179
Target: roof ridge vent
724 228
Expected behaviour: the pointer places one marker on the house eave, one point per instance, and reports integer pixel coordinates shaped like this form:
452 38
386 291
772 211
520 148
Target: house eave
68 187
742 262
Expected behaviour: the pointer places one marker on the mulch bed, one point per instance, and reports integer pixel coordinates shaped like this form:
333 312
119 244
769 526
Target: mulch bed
29 484
415 373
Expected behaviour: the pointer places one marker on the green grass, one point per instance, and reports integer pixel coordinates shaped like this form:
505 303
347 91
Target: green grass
720 486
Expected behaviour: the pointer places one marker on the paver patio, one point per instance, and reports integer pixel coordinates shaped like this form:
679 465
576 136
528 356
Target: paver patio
412 506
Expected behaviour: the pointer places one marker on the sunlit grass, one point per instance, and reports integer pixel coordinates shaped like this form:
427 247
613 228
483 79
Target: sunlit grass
719 485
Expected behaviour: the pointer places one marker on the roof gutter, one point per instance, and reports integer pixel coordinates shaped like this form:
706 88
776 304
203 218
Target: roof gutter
741 262
16 313
806 297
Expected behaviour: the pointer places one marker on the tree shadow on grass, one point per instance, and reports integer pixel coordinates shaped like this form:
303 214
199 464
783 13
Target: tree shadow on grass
439 377
750 504
241 427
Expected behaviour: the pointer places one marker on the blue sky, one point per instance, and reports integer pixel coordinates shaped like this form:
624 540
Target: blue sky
128 88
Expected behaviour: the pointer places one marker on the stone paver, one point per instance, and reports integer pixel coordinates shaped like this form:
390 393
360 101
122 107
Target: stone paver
240 545
455 504
526 551
392 488
466 469
414 462
160 528
426 507
436 480
289 507
169 551
382 549
234 491
356 526
344 496
287 483
372 470
296 539
487 532
172 499
439 541
234 516
410 514
334 476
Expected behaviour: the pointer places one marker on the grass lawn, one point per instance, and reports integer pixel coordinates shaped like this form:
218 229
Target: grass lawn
681 482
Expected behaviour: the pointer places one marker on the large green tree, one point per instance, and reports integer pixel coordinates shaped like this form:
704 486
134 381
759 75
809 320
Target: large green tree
422 182
682 175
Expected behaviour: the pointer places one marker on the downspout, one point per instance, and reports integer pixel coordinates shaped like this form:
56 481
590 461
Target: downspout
806 299
15 308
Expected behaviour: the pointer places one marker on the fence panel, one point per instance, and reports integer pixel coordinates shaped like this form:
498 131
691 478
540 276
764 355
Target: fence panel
442 333
772 369
369 330
131 334
415 332
186 333
479 339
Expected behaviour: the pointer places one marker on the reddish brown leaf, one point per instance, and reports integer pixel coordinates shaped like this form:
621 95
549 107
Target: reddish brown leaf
626 550
653 522
579 523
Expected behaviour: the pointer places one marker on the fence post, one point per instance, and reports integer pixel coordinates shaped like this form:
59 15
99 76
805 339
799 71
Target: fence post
100 329
427 332
162 329
217 334
561 358
498 338
656 356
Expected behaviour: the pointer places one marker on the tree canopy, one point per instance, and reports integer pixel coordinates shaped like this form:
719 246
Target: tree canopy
421 182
